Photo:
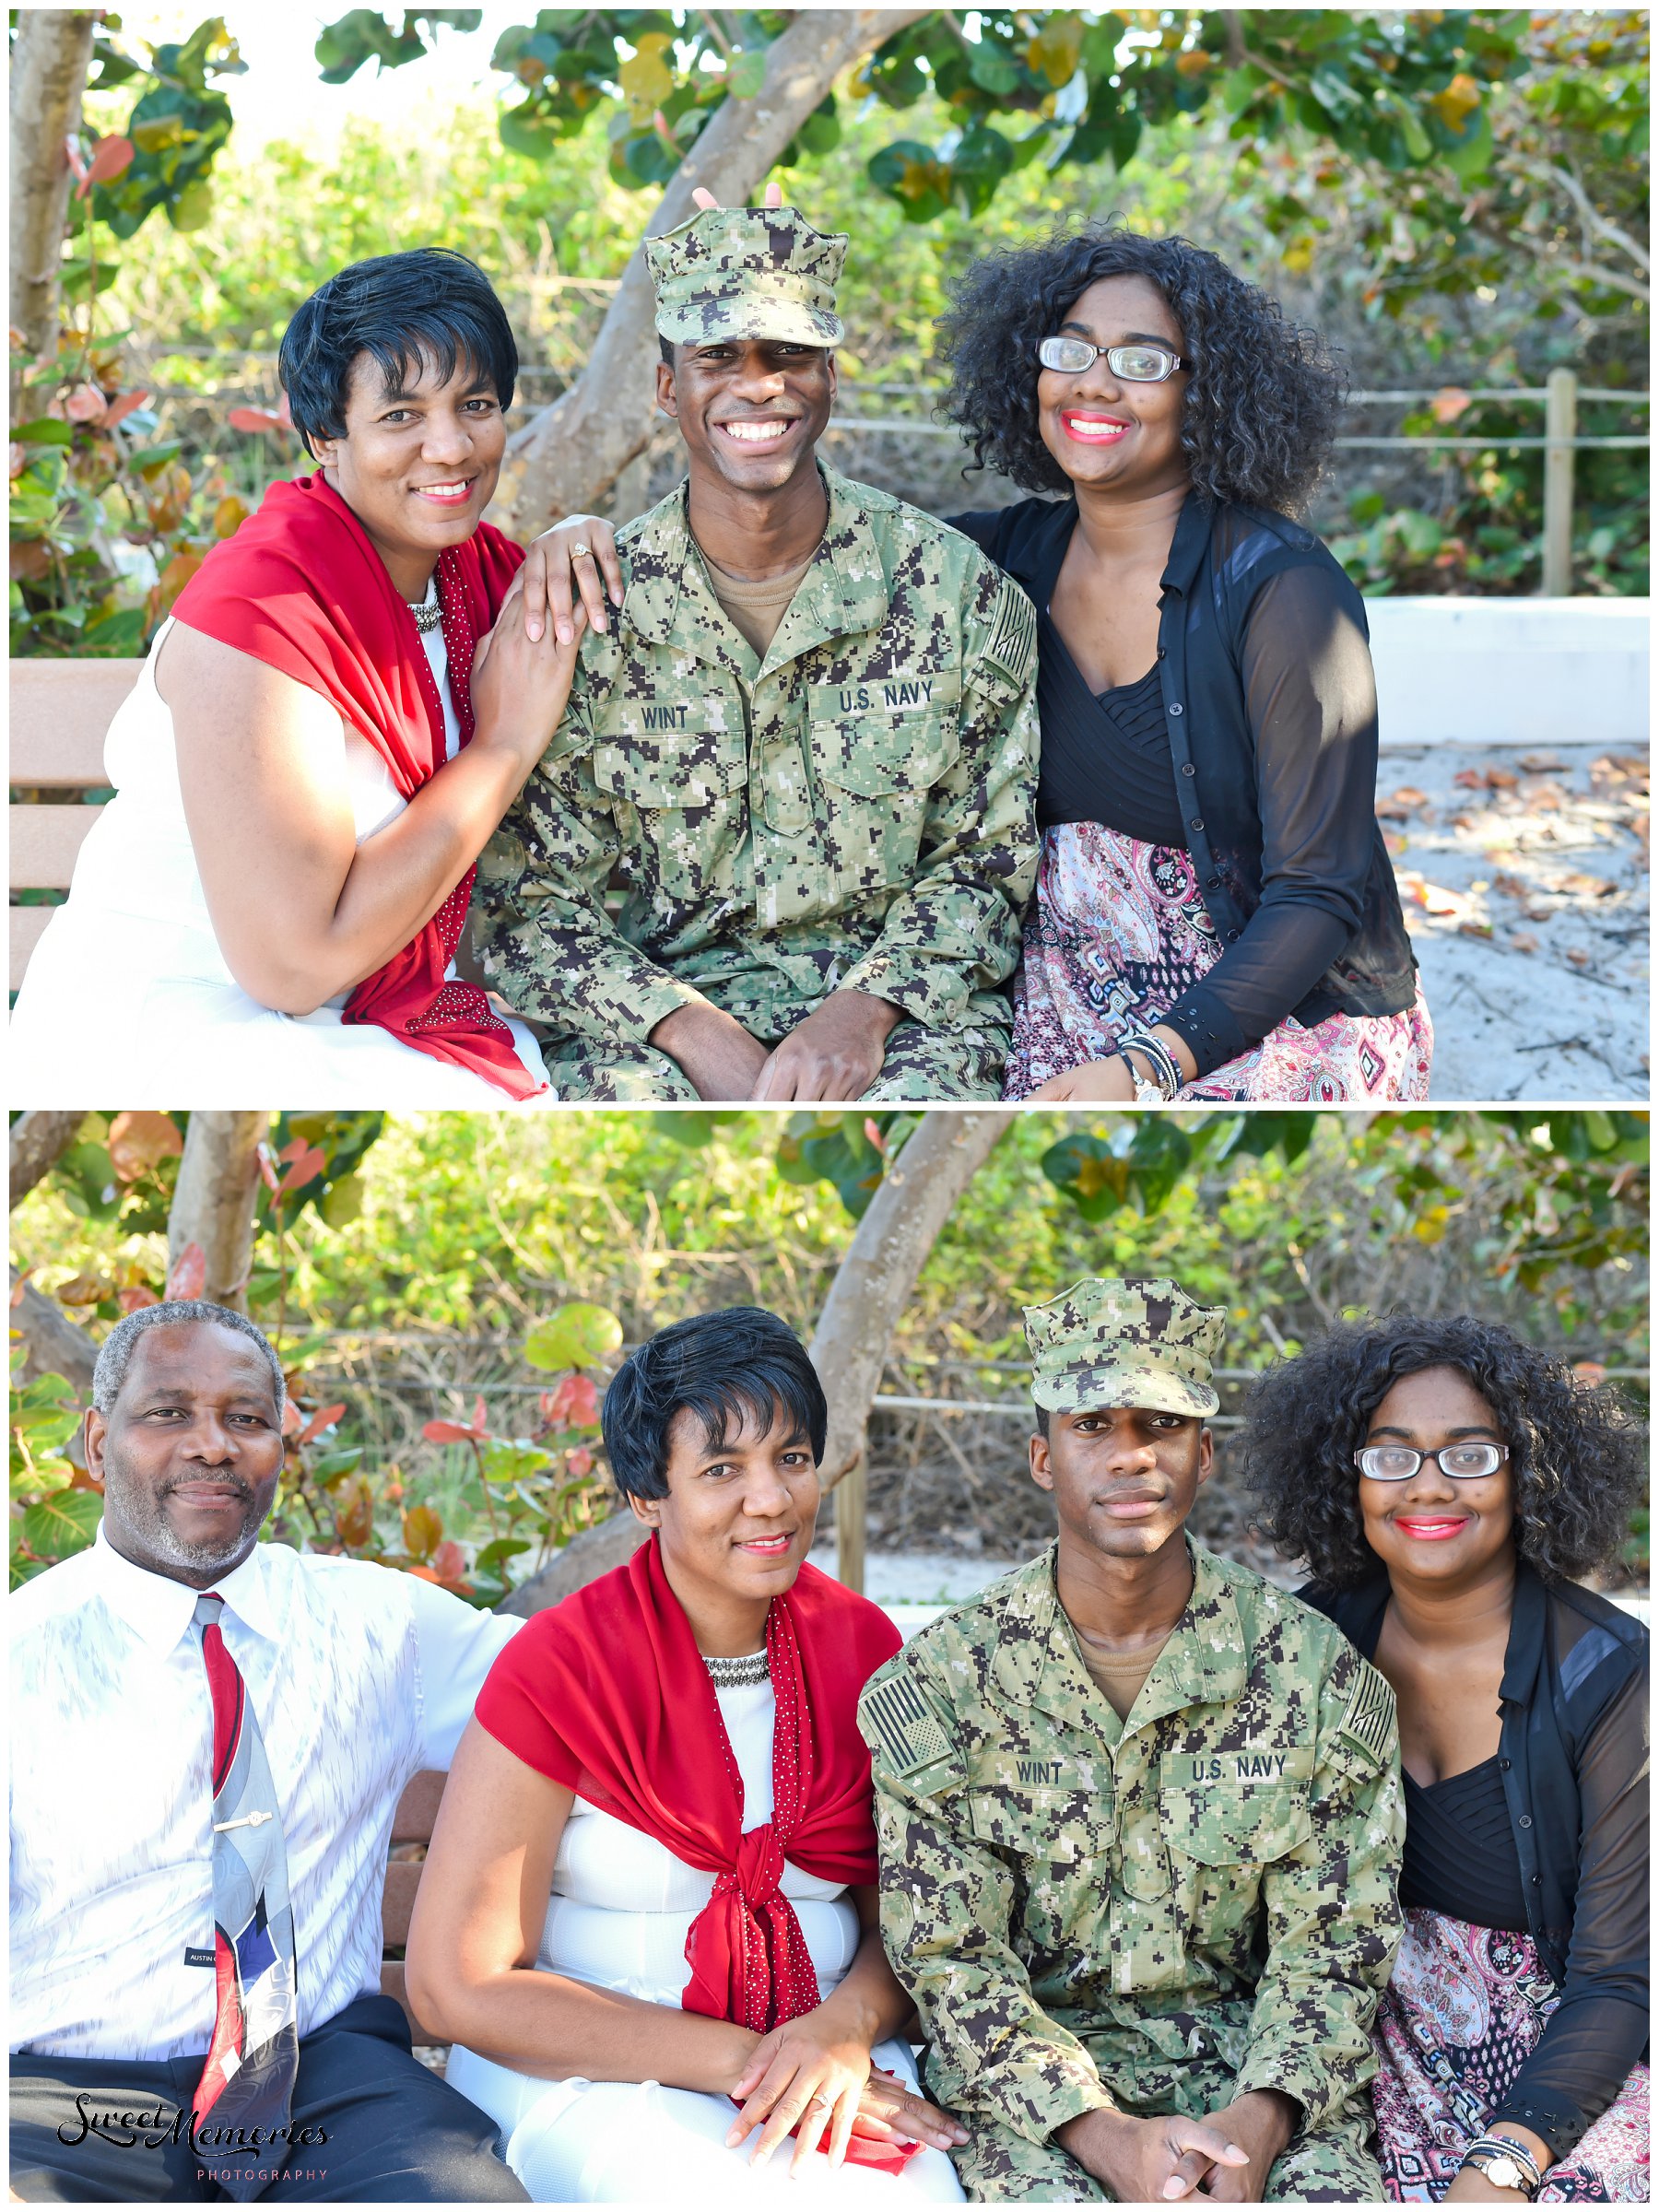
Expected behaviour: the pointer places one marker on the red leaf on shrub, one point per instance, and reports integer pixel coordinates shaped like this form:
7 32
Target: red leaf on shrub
446 1432
20 1285
575 1403
128 404
256 418
86 404
72 154
318 1422
268 1168
581 1461
187 1277
140 1141
480 1427
451 1562
111 156
354 1512
290 1418
305 1163
137 1295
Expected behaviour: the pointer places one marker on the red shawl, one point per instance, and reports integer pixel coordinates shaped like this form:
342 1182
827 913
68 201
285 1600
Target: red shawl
607 1694
301 588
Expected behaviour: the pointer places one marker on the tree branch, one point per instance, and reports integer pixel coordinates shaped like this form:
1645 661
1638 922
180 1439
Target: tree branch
39 1141
1592 217
569 457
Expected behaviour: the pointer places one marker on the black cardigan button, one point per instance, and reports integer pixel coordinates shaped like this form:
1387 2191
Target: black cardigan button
1505 1765
1187 769
1525 1821
1197 822
1176 707
1161 654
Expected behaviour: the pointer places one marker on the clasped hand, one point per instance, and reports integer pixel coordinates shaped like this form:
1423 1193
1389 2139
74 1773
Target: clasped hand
520 683
814 2076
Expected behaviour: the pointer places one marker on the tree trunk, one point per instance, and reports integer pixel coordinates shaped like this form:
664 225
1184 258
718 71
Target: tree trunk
567 461
55 1344
872 1285
213 1203
583 1559
50 59
39 1141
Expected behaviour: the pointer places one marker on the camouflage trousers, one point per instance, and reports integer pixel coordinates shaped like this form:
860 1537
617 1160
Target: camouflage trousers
959 1065
1334 2164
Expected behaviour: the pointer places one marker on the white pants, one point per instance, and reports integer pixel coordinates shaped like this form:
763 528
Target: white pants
613 2142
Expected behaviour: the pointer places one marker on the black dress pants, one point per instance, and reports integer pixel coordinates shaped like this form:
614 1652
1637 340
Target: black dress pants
384 2129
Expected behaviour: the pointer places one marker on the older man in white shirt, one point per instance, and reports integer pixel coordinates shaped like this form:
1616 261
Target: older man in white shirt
209 1737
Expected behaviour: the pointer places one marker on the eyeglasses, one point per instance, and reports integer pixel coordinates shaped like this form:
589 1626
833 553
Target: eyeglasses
1134 364
1399 1462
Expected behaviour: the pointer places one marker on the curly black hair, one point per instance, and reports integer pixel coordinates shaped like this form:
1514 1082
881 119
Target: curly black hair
1578 1456
1263 402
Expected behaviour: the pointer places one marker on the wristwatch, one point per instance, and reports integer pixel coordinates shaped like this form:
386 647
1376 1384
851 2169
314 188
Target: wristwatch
1147 1092
1498 2161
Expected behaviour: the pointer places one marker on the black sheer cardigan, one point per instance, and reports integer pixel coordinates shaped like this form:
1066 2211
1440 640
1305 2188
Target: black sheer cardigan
1271 709
1572 1750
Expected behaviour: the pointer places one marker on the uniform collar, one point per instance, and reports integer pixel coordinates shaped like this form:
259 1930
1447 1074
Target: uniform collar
160 1610
671 602
1204 1661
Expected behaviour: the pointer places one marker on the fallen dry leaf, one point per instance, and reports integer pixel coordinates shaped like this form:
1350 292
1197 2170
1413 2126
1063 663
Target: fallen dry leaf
1581 886
1511 886
1580 958
1474 929
1523 942
1537 764
1394 844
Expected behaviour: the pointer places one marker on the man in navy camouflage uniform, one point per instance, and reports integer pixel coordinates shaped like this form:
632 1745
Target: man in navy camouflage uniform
804 753
1140 1819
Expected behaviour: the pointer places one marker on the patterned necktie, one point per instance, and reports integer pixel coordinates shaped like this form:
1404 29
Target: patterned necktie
248 2081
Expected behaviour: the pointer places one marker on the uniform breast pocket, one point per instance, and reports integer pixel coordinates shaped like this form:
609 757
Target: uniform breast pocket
876 768
1221 1843
1060 1839
679 799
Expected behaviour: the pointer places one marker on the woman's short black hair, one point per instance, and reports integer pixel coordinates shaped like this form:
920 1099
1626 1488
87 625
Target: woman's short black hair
1263 401
395 307
1577 1454
741 1362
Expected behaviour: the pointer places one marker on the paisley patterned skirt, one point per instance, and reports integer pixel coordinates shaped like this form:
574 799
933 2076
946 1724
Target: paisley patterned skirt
1118 931
1461 2017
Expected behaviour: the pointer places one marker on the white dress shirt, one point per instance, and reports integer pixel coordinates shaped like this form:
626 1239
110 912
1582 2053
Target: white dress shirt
360 1677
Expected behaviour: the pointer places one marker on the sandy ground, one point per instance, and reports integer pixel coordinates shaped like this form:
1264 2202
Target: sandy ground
1523 876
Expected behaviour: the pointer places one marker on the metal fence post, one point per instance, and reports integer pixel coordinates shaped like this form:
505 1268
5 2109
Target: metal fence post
1560 426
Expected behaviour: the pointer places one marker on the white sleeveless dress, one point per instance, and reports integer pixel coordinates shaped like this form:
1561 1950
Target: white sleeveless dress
128 996
621 1910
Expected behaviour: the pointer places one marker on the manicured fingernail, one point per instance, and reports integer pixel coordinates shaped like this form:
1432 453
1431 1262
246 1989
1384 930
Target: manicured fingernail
564 634
761 2157
1171 2187
600 623
534 630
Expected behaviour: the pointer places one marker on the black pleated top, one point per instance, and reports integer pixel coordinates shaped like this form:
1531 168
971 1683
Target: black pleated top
1459 1857
1106 756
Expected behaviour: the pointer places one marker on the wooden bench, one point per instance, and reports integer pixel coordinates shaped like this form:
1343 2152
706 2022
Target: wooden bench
61 712
411 1832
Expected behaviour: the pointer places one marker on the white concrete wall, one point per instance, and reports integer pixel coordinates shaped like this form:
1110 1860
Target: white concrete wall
1520 672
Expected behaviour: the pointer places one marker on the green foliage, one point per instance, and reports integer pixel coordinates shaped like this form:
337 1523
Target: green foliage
177 127
52 1514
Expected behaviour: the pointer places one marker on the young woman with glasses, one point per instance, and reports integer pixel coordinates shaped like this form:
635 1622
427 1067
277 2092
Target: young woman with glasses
1449 1485
1215 916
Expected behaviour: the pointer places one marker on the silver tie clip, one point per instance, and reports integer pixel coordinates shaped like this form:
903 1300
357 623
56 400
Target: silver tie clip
247 1820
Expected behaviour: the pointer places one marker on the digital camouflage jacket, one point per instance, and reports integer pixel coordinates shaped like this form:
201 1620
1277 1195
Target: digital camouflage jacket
856 811
1159 1913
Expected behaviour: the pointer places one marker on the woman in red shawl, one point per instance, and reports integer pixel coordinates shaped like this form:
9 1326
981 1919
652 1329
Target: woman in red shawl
328 728
647 1915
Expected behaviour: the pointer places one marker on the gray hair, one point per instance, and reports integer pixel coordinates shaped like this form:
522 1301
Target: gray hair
116 1353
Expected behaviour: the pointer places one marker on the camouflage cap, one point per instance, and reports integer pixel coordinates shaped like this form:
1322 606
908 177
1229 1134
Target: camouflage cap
1107 1341
747 273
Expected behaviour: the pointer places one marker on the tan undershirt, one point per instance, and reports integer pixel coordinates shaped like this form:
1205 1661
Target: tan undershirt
757 605
1118 1681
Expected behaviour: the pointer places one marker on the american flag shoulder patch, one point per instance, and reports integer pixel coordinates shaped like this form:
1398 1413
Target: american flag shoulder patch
908 1730
1013 644
1368 1721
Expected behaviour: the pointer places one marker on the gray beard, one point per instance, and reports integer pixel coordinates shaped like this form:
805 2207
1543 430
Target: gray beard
147 1519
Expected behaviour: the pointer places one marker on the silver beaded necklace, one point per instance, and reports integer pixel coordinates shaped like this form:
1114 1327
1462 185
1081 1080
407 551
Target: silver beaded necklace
428 612
739 1674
